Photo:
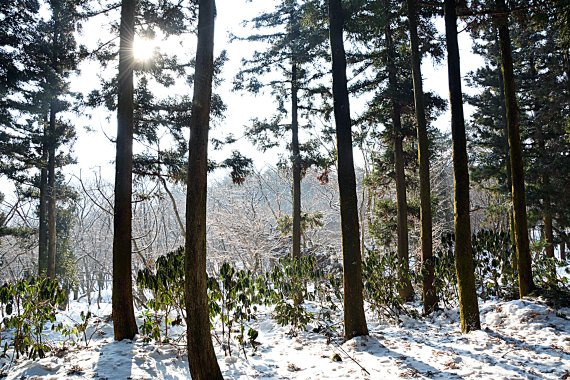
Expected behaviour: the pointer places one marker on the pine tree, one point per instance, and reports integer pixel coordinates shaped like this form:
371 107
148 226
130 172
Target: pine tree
124 324
201 355
405 287
354 318
428 290
545 94
468 306
537 56
290 55
56 54
526 284
18 34
384 63
43 54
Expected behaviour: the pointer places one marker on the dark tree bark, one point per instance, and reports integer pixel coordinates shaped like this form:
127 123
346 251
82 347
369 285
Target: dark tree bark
547 216
296 252
354 318
526 284
468 306
124 324
428 290
201 355
52 141
405 289
296 164
43 229
51 206
548 233
563 250
506 147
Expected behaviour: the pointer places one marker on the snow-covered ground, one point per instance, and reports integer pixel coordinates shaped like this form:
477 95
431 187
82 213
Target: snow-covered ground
522 339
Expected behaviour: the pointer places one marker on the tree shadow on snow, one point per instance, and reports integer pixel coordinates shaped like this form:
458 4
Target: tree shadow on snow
115 360
374 346
525 369
536 348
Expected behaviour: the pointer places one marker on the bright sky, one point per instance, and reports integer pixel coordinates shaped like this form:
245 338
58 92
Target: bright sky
95 151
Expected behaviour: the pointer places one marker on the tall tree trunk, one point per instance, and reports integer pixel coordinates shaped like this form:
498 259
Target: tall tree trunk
563 249
548 233
51 206
43 229
52 141
428 290
296 164
201 355
468 306
503 106
124 324
296 158
526 284
354 318
405 286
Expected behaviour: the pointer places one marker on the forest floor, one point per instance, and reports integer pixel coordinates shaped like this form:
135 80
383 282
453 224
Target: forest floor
522 339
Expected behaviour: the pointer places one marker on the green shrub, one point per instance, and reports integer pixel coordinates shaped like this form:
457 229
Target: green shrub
494 260
166 283
445 280
238 297
295 280
29 304
381 275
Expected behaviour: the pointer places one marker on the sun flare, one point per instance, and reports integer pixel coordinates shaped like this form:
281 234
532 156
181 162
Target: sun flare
143 49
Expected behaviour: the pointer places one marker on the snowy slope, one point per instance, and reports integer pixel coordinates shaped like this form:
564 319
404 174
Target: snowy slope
520 340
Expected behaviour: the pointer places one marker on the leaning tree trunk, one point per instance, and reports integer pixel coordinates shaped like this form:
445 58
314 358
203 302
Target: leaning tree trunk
468 307
124 324
405 289
296 253
354 318
43 228
526 284
428 290
201 355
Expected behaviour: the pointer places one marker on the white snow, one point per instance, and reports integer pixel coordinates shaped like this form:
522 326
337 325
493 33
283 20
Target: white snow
523 339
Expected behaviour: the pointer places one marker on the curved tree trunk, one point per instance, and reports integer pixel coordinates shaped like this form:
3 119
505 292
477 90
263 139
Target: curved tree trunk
354 318
201 355
468 306
124 324
526 284
428 290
